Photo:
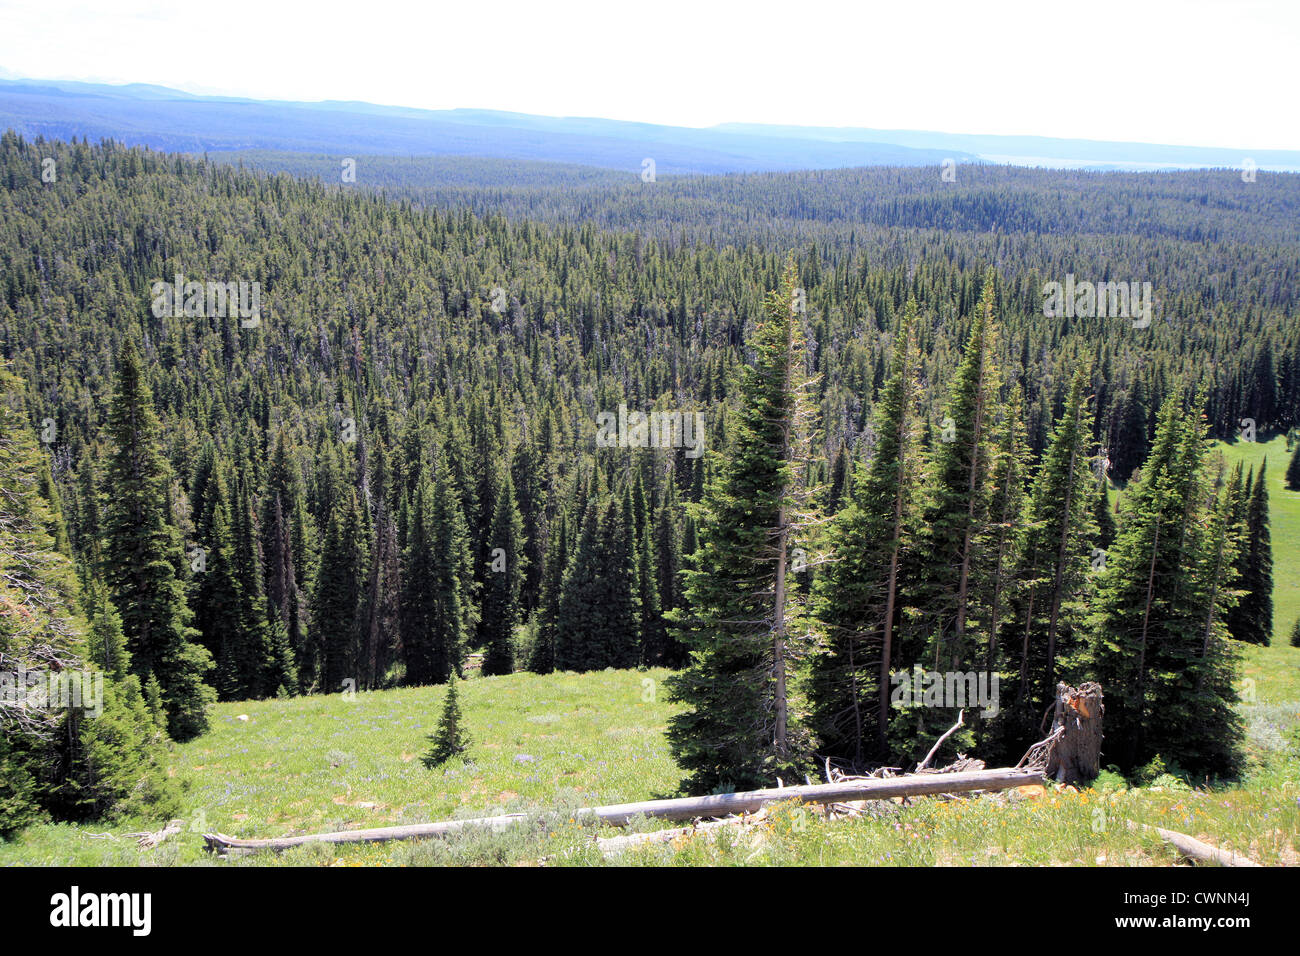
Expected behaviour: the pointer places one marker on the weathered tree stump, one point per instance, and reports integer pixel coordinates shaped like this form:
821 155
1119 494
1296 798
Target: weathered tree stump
1075 757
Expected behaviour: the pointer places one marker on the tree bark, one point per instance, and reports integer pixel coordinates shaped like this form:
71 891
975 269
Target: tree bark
1076 755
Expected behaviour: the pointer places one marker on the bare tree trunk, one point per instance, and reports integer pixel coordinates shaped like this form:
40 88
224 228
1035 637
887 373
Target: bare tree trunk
995 610
1214 592
1136 745
857 704
882 716
778 639
1024 638
1075 757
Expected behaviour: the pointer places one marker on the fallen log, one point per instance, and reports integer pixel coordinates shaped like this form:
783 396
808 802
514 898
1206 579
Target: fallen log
1199 850
682 808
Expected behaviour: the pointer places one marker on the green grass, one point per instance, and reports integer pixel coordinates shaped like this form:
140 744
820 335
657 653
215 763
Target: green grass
329 763
1284 525
325 763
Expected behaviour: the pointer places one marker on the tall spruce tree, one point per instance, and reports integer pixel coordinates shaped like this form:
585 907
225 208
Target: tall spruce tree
143 555
958 493
502 609
527 473
743 724
542 657
433 616
1252 619
336 612
383 596
1103 515
668 566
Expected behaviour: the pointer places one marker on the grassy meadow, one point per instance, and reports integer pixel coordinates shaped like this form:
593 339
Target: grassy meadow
550 744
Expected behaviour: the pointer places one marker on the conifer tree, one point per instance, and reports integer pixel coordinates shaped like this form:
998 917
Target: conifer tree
839 487
383 596
217 591
117 762
1000 579
542 657
283 596
622 603
1293 470
282 510
501 608
1057 559
668 566
1131 437
450 738
743 723
527 474
142 555
1252 619
577 617
598 622
260 671
856 596
57 761
958 491
106 644
433 617
653 629
337 608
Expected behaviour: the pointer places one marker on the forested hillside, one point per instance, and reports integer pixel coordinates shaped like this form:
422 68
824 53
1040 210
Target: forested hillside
397 458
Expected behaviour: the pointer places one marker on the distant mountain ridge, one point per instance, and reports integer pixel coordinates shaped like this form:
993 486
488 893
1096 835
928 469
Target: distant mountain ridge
1021 150
172 120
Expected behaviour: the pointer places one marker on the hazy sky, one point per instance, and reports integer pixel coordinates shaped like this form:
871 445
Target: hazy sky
1196 72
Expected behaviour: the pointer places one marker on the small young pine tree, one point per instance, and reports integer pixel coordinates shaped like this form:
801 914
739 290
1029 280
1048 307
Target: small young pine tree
1293 470
450 739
